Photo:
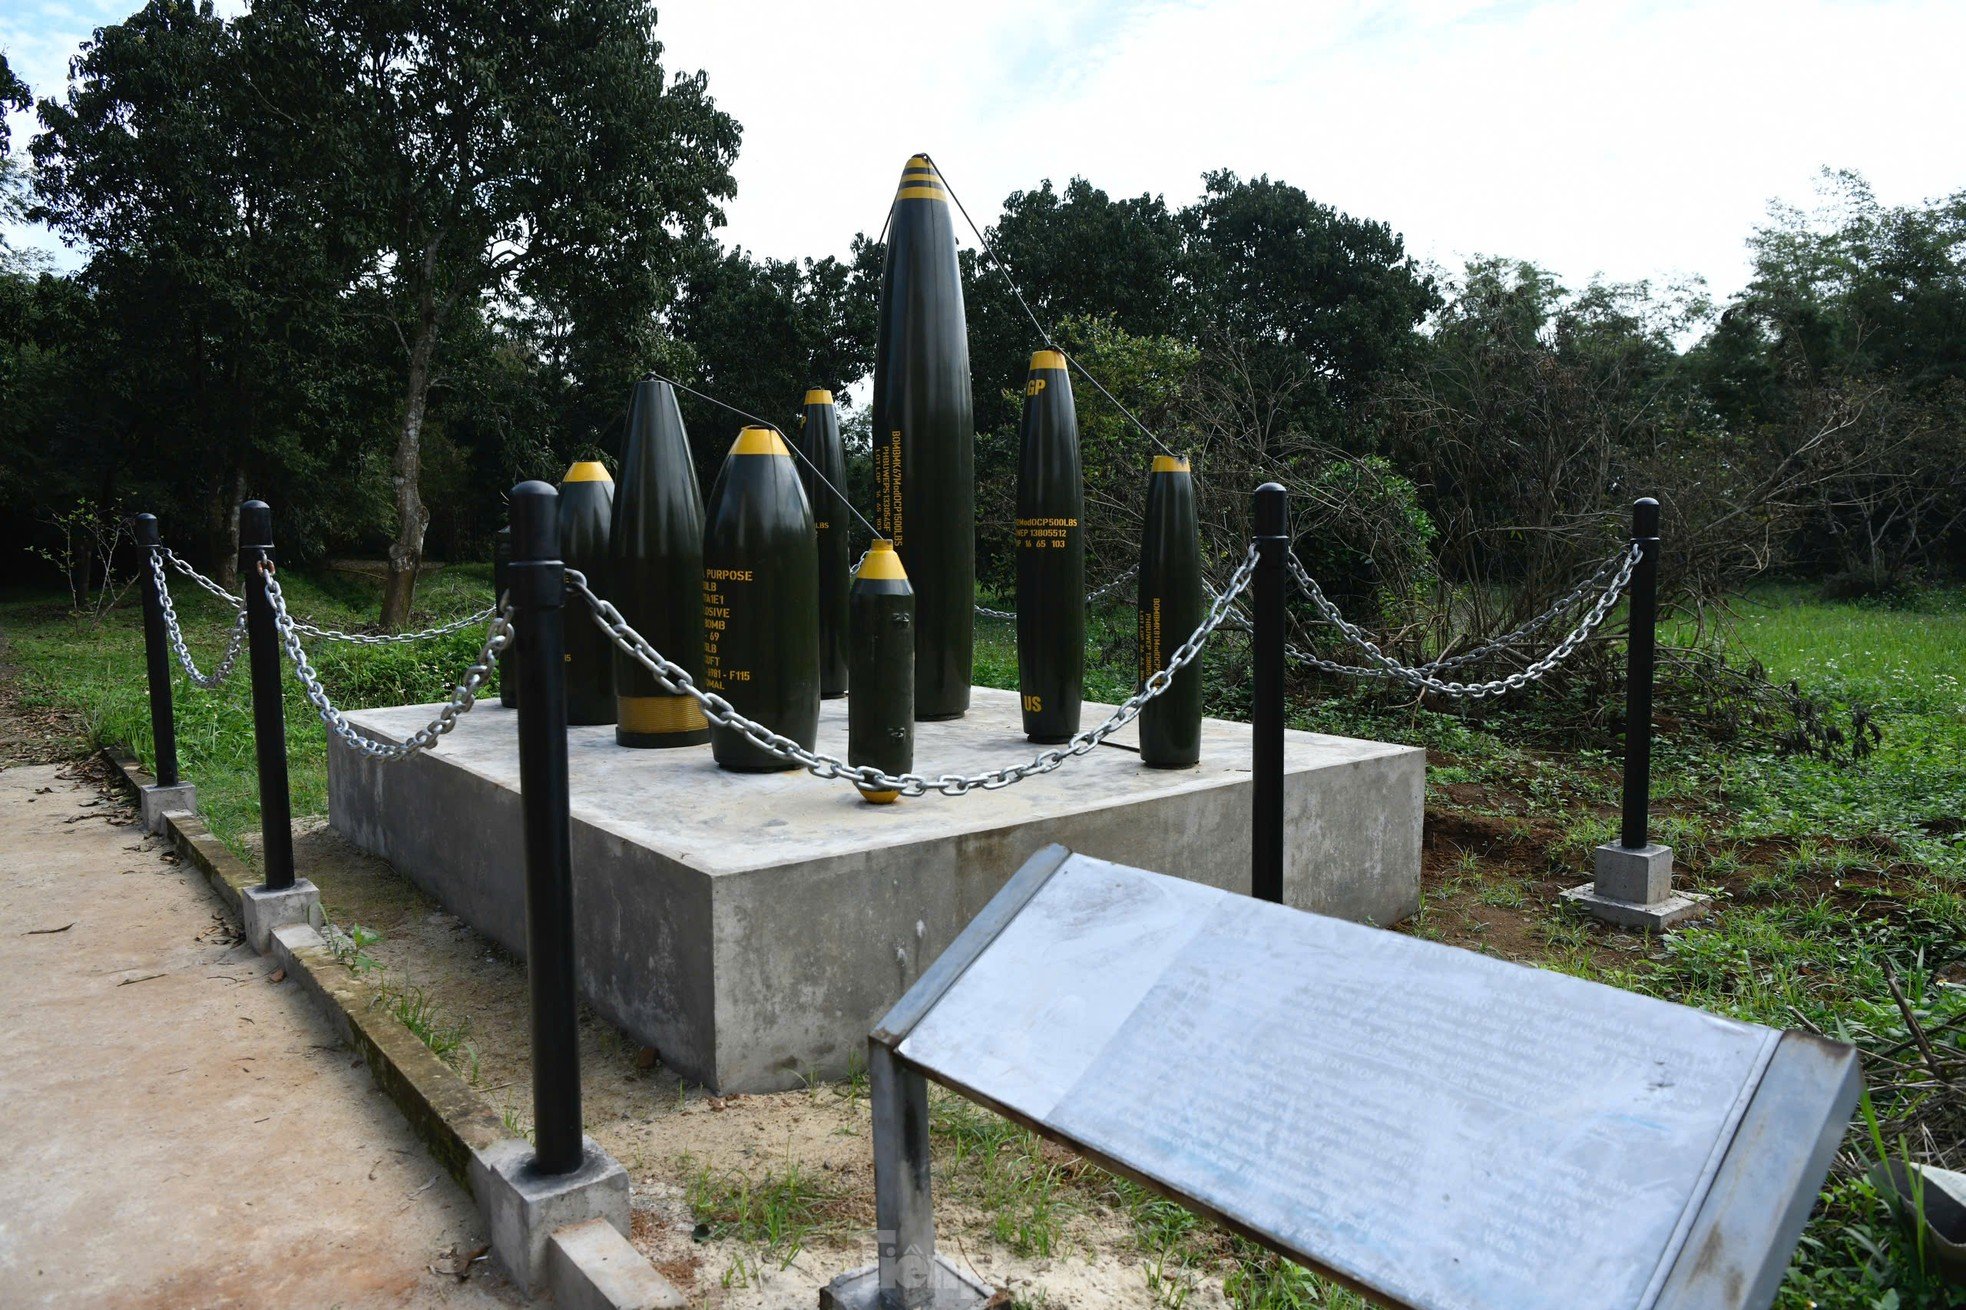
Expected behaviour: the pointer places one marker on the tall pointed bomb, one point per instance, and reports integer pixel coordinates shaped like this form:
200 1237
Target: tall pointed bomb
1170 611
819 442
880 714
586 509
924 436
655 570
761 601
1050 554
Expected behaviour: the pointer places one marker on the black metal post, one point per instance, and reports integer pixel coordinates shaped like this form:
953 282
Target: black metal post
157 657
1272 519
276 824
1640 639
538 590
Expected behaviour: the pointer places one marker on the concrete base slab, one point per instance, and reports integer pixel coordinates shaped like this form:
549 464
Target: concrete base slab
1655 917
860 1289
752 927
155 801
591 1266
524 1209
264 909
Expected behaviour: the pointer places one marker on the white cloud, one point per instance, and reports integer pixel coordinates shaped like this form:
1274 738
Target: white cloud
1637 140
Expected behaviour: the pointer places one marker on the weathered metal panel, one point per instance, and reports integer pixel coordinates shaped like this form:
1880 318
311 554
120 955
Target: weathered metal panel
1448 1130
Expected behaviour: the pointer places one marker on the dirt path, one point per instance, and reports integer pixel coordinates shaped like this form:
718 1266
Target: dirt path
181 1130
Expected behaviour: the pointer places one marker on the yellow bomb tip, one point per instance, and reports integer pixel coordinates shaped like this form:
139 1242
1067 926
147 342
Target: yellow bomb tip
588 470
882 564
759 441
817 396
1170 464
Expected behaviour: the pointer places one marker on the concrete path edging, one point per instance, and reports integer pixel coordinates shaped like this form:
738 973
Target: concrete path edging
458 1126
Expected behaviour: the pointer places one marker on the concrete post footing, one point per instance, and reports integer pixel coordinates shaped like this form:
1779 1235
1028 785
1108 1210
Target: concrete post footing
591 1266
154 802
263 909
524 1209
1633 889
859 1289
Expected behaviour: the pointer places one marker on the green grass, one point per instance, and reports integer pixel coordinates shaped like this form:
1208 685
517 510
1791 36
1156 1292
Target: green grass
98 673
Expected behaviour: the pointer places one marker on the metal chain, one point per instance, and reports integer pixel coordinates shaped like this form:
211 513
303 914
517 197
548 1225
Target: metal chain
397 638
175 630
1092 597
676 679
463 695
1384 666
336 634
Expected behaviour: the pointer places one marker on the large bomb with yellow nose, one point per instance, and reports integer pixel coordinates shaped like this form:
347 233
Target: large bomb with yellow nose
880 712
1050 548
924 436
823 473
761 601
655 570
1170 610
586 506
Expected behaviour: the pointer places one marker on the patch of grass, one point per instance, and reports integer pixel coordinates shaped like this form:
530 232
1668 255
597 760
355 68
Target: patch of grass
97 673
780 1212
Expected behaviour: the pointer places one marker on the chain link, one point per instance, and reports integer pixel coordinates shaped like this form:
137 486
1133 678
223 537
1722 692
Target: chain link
463 696
336 634
1092 597
483 616
175 630
1384 666
676 679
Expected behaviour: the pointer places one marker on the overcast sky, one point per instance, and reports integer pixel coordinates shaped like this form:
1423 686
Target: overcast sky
1636 140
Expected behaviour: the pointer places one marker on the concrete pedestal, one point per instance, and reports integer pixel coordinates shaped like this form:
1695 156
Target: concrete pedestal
524 1209
263 909
155 801
752 926
1633 889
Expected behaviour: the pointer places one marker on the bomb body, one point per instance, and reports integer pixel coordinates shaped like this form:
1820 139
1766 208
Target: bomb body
880 711
1170 610
760 601
586 508
655 570
1050 550
924 436
823 474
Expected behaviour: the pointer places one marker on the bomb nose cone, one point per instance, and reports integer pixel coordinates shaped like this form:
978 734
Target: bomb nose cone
1044 359
759 441
920 181
881 564
818 396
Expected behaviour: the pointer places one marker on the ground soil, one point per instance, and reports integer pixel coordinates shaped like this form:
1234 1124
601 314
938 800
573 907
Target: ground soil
183 1129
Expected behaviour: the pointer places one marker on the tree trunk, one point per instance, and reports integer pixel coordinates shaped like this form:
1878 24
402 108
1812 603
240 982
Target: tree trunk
228 555
405 475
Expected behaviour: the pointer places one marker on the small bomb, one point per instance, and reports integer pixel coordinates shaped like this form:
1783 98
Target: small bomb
880 712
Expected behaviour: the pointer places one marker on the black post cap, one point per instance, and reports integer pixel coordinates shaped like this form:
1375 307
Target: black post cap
146 530
255 525
1645 517
535 522
1272 510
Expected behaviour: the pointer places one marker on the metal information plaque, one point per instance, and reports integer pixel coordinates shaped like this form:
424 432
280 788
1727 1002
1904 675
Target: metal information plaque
1443 1130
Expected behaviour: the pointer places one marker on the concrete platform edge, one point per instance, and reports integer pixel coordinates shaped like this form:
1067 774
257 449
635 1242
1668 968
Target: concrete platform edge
455 1124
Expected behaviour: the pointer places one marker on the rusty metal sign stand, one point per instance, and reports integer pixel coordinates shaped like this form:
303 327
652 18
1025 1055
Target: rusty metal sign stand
1437 1129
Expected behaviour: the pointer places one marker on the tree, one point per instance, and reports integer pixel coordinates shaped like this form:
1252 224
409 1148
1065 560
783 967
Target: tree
761 332
215 273
1075 253
493 155
1301 286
